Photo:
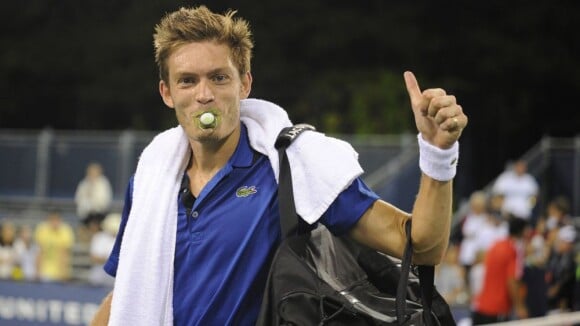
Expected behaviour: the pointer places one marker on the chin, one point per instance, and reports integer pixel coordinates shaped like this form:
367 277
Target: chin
208 136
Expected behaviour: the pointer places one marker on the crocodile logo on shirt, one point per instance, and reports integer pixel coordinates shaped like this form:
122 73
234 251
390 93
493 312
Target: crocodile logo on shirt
246 191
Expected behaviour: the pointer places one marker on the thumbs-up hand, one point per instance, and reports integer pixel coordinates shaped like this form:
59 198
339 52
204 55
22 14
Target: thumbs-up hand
438 117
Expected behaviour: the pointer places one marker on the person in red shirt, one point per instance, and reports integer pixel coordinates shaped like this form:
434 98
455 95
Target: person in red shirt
501 290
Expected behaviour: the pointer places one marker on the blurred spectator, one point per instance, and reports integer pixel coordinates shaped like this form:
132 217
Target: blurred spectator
495 205
538 250
501 289
27 253
55 239
577 285
101 246
473 222
449 278
493 229
557 213
93 195
7 252
534 276
556 217
476 276
561 271
519 189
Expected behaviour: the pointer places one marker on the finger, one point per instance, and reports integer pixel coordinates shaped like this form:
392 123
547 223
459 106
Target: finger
415 95
447 112
432 93
451 124
437 99
456 123
464 118
439 102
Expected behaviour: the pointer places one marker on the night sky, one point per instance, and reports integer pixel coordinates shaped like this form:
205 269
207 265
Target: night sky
513 66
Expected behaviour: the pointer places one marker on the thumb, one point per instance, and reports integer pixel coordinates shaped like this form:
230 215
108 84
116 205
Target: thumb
414 91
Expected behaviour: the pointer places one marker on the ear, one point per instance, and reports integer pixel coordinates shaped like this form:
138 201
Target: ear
165 92
246 85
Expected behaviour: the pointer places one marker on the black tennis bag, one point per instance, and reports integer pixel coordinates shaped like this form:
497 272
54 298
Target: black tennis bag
317 278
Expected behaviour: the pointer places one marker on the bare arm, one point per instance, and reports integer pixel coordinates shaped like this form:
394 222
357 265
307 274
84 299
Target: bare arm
440 121
382 227
516 296
101 318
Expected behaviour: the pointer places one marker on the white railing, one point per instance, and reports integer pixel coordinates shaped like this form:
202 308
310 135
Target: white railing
563 319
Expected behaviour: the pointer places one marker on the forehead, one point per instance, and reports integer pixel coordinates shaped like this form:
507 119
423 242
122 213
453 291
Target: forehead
200 58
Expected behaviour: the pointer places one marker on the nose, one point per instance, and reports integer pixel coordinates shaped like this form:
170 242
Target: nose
204 92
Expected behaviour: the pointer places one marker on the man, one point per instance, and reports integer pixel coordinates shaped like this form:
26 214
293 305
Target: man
55 239
476 217
561 271
201 220
501 290
93 196
519 189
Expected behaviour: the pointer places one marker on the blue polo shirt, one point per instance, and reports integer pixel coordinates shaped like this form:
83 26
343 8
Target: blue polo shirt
225 245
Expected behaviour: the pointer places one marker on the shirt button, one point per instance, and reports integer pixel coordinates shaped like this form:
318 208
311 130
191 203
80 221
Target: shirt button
194 214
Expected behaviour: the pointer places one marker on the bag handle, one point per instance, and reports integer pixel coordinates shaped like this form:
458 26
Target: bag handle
289 223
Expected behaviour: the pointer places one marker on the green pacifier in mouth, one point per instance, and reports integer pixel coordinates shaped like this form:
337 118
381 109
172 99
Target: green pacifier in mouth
207 120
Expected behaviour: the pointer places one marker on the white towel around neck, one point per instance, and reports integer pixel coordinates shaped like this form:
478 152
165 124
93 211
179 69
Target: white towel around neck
322 167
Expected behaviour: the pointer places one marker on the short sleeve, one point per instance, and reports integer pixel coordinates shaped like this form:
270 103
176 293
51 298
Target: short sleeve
348 207
113 262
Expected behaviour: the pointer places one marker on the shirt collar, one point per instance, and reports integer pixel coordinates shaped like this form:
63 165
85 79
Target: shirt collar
244 155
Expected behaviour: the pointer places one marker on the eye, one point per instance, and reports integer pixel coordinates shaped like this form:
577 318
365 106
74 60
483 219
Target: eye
220 78
185 80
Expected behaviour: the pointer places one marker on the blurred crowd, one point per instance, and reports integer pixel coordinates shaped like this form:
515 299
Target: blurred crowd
533 254
44 251
506 262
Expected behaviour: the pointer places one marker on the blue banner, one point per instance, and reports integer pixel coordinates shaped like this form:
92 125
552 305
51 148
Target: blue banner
27 304
30 303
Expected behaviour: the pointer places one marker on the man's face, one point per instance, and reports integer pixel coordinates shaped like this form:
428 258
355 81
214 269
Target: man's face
202 77
520 167
54 220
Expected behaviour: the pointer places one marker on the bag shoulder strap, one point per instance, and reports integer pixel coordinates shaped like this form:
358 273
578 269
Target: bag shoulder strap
288 218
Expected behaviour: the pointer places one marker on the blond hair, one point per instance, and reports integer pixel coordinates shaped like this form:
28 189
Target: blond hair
199 24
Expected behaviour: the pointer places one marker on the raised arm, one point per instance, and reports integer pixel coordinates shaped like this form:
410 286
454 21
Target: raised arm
440 121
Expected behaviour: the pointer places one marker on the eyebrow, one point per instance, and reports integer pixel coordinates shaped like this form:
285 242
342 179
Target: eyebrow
211 72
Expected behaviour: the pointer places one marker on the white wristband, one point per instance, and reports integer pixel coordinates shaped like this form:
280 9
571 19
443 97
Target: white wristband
439 164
